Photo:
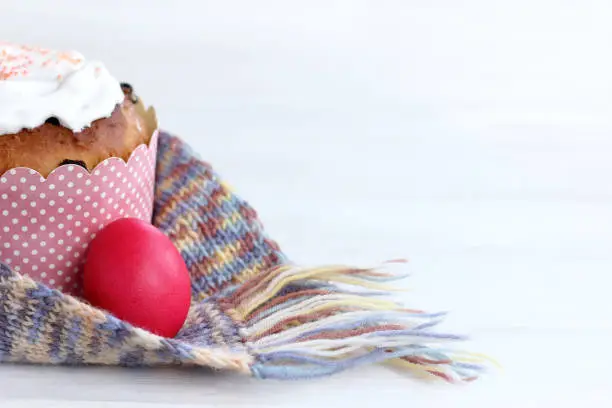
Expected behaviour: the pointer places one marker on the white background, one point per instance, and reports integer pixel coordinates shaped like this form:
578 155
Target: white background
473 137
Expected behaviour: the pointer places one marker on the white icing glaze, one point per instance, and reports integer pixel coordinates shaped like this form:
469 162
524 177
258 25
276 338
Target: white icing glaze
36 84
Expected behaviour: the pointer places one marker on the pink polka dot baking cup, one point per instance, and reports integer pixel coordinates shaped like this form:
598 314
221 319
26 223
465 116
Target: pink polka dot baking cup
47 224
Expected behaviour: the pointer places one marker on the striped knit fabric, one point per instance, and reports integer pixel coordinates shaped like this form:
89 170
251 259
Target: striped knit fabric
218 234
252 311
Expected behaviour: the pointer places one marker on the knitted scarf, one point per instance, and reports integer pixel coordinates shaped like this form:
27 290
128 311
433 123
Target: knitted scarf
252 311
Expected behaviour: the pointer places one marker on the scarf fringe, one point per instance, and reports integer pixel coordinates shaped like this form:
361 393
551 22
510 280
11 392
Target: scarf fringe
312 322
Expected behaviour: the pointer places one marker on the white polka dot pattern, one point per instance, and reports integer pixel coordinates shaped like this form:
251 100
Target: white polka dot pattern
47 224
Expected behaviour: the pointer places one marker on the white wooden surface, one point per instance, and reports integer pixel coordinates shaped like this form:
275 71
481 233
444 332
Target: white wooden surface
473 137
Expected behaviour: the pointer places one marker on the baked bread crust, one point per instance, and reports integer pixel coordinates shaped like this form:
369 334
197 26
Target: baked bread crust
50 145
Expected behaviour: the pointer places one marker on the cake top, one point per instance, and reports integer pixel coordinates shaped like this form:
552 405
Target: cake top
37 84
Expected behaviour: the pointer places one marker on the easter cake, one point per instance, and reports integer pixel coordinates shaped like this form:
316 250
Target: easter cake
77 152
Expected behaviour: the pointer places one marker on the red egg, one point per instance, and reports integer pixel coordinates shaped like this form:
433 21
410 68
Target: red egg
135 272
